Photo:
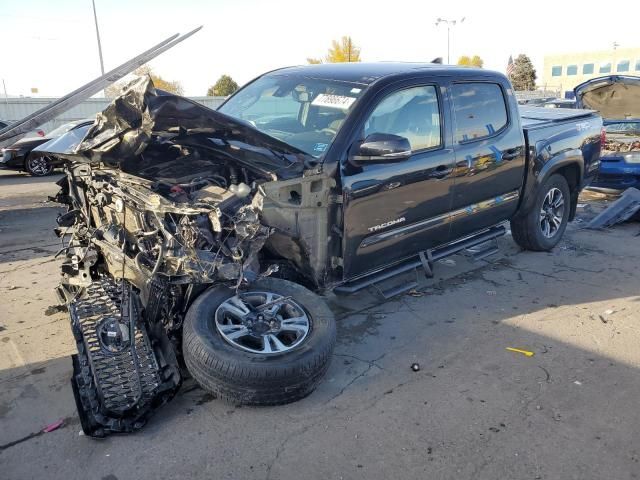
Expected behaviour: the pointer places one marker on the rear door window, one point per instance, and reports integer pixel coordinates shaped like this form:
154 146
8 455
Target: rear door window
480 110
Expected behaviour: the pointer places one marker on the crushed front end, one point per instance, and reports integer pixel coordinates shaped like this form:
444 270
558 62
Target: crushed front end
132 261
160 208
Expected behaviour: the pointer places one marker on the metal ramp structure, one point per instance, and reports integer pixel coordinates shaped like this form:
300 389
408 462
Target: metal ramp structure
15 131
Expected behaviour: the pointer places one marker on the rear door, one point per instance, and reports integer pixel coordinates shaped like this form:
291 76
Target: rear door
392 211
490 156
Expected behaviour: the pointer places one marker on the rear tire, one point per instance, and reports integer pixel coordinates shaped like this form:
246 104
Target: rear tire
542 228
243 377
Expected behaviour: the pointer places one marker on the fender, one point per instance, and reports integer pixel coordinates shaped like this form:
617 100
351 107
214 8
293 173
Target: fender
542 167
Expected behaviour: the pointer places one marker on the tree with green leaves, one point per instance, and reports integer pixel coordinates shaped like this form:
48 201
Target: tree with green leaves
224 87
115 89
523 76
474 61
341 51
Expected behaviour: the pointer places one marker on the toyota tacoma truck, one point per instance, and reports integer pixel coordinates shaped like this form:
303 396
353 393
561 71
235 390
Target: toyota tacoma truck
199 241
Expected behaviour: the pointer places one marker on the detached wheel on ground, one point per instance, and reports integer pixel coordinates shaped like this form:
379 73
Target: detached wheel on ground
269 345
542 228
38 165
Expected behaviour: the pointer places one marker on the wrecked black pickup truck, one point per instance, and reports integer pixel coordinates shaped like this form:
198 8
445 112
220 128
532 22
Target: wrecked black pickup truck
196 237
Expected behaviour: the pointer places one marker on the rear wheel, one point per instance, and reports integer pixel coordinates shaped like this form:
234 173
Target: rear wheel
39 166
268 345
542 228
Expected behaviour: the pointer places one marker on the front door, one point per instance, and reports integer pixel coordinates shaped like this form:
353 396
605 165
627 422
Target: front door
392 211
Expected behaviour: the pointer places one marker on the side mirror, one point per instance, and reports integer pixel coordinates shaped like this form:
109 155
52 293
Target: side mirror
382 148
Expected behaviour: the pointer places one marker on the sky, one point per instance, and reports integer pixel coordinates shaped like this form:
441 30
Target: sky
51 44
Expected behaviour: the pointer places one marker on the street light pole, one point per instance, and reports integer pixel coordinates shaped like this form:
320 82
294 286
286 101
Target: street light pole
6 97
95 18
448 42
450 23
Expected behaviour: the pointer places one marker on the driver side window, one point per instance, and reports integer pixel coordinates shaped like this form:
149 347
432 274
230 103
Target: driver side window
412 113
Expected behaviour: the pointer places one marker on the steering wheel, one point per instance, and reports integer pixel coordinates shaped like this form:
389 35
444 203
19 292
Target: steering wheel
330 131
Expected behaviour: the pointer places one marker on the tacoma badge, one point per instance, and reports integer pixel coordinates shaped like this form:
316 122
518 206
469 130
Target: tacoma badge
375 228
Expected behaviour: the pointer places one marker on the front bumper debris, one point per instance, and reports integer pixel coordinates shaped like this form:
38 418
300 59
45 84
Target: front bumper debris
123 370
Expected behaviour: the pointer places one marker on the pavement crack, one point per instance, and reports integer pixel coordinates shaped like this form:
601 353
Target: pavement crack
547 275
371 364
546 372
20 440
282 445
33 435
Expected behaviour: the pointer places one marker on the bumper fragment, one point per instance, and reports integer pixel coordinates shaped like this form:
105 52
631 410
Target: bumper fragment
124 370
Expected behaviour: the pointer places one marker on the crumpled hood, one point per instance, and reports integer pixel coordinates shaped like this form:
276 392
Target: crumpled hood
614 96
143 115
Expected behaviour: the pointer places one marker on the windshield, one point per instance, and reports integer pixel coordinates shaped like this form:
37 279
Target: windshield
623 127
305 113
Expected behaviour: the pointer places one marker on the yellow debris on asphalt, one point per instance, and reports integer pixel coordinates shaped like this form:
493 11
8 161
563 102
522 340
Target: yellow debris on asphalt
526 353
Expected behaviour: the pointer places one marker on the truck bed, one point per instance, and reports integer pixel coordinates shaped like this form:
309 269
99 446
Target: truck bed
536 117
561 132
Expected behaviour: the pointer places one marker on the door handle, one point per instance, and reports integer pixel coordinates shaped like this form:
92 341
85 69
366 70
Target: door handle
510 154
440 171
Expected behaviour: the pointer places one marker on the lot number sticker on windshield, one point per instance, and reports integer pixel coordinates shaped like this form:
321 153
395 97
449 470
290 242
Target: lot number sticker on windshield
333 101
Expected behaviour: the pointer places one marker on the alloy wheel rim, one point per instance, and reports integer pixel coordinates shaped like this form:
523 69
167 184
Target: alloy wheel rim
39 165
262 322
552 212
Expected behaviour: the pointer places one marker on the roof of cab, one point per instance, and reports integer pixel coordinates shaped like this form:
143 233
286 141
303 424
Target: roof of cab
367 73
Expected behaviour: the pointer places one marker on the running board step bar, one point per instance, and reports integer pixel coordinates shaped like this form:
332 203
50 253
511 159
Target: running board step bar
482 251
424 260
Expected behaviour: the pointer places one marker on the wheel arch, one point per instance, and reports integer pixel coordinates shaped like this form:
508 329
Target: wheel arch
572 172
569 164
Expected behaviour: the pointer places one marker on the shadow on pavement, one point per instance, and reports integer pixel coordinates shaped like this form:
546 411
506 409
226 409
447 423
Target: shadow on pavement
473 409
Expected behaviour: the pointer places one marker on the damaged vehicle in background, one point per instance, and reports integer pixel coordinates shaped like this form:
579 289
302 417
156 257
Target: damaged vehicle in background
617 99
196 237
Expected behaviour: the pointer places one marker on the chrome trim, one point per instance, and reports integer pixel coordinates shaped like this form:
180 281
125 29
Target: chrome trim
444 218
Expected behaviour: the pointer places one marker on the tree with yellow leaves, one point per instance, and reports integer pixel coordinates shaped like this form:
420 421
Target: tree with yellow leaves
474 61
175 87
341 51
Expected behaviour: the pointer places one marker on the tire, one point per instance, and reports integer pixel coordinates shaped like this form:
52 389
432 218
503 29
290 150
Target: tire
38 166
529 230
243 377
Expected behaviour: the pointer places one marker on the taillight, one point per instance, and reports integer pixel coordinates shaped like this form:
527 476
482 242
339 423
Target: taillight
603 137
40 133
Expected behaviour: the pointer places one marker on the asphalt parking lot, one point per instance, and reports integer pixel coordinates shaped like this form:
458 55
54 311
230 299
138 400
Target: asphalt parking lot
473 410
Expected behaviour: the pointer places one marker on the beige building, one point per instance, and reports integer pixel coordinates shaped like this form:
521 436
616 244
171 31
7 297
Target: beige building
566 70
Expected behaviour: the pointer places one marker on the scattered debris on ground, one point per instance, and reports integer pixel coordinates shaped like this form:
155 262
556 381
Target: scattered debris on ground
526 353
623 209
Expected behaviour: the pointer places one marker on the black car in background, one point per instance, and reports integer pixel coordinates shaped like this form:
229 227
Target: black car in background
20 155
38 132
